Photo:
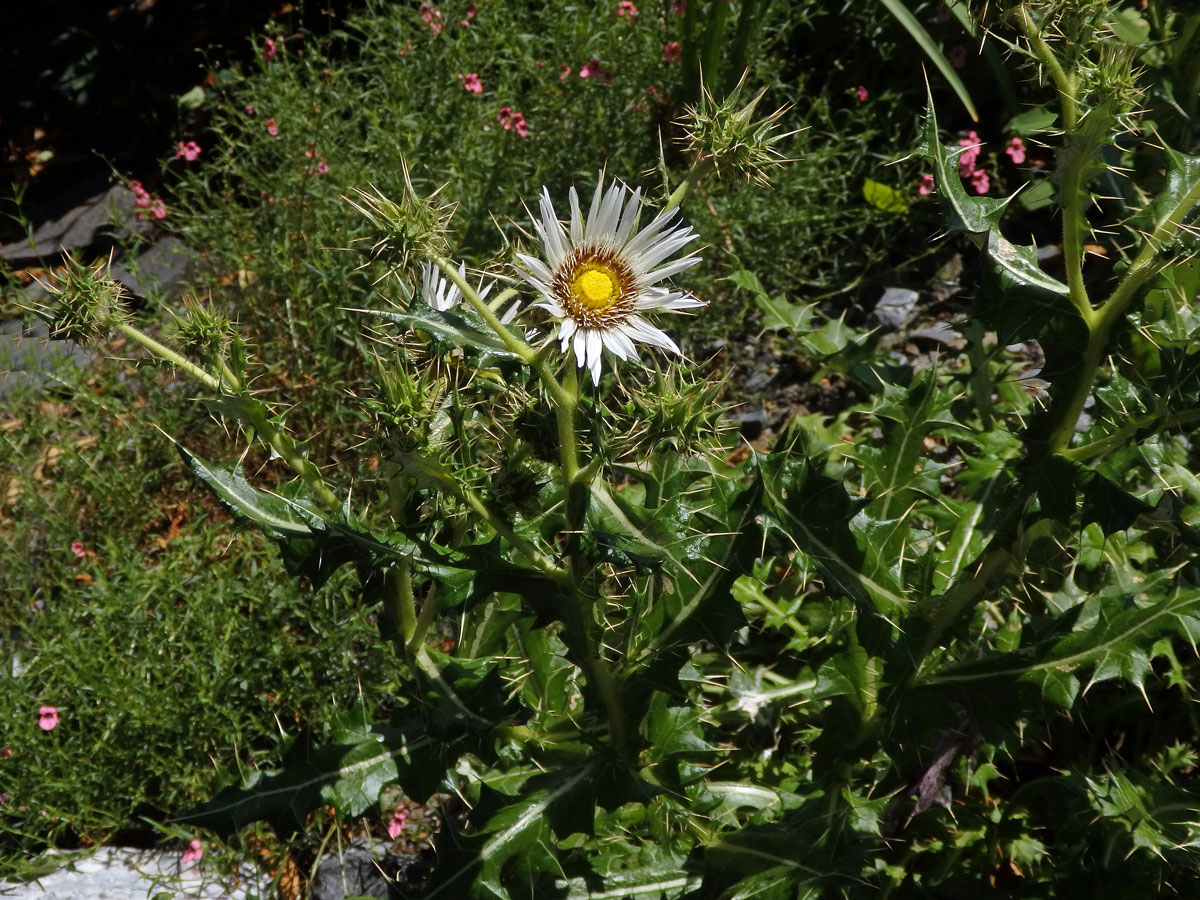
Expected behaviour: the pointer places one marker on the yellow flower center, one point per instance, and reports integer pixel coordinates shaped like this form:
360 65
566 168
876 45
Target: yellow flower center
596 287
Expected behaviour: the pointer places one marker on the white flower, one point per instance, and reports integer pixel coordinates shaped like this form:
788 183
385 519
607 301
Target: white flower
442 294
601 276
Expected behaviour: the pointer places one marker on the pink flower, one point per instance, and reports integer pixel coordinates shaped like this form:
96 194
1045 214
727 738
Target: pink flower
322 168
47 718
3 798
406 49
270 48
925 187
679 7
433 18
249 110
193 853
626 10
189 151
1016 151
312 146
158 209
512 121
141 197
272 128
593 69
77 549
472 83
6 753
673 51
563 71
979 181
861 94
395 827
966 162
466 23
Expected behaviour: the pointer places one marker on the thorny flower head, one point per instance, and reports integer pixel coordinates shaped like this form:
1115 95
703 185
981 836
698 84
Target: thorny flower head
86 304
204 331
731 136
601 274
410 229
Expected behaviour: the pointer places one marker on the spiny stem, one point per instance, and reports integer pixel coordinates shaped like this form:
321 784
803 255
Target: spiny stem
284 446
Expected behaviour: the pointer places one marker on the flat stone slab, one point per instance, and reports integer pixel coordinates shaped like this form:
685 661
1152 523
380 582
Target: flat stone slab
119 873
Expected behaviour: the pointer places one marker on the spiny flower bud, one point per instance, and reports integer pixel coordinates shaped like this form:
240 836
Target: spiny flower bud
86 304
729 135
409 230
207 333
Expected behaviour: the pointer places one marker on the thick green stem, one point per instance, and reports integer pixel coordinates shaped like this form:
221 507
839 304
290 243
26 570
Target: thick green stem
699 169
166 353
514 344
1063 80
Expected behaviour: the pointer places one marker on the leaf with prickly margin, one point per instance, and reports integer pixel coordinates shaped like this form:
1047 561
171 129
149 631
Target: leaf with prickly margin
1060 481
347 775
451 328
509 836
826 525
974 216
702 552
1116 646
428 473
674 730
1019 300
1175 204
313 545
908 416
668 880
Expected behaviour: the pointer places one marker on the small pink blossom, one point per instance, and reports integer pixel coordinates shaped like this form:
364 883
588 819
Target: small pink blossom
270 48
472 83
626 10
158 209
322 168
47 718
466 23
861 94
925 187
564 72
510 120
267 198
966 162
980 182
78 550
406 49
312 146
249 110
193 853
1016 151
141 197
3 798
395 827
272 128
189 151
6 753
673 51
593 69
433 18
679 7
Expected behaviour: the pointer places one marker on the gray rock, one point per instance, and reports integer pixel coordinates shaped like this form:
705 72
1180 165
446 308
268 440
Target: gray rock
942 333
160 270
119 873
896 307
355 872
79 228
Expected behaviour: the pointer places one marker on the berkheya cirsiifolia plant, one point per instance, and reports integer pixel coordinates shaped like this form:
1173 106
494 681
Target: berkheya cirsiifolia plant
656 677
547 547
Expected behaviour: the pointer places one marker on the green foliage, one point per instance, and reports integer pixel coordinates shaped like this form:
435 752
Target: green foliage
941 643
